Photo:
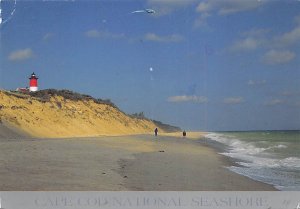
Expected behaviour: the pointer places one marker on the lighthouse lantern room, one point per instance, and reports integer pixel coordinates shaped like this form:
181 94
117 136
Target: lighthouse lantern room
33 84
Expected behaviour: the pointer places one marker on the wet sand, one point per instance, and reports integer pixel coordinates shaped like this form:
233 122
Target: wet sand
141 162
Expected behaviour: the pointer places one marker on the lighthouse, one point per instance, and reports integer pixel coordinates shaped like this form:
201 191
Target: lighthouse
33 85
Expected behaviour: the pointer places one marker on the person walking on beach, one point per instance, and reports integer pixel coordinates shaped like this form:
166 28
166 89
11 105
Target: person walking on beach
184 133
156 131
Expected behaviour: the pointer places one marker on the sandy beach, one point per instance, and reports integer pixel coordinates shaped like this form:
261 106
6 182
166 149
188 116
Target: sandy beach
140 162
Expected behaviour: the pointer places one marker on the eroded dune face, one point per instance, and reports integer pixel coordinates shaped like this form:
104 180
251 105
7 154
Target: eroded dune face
61 117
9 132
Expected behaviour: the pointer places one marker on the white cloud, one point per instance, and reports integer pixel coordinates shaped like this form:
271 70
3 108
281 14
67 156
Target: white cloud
256 32
274 102
205 6
253 83
103 34
233 100
169 38
48 36
262 82
21 54
222 7
274 57
286 93
297 19
185 98
164 7
246 44
171 3
290 93
92 34
202 19
278 53
234 6
250 82
289 38
252 39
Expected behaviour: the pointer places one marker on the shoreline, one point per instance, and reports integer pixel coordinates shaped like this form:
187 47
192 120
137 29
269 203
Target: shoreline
119 163
225 180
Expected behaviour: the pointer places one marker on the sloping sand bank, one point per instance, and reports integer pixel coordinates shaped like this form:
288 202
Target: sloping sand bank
141 162
9 132
63 115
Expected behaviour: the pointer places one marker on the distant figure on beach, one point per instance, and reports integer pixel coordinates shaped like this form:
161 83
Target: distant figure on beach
156 131
184 133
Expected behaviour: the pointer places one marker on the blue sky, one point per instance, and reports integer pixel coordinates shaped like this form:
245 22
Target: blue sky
200 65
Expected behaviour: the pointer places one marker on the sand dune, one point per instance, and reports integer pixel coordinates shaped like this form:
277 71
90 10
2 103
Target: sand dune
9 132
59 117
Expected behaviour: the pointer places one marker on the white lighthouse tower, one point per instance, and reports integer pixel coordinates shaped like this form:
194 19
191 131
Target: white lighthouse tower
33 84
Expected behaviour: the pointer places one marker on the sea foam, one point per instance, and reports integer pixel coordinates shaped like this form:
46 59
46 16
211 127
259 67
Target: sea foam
260 158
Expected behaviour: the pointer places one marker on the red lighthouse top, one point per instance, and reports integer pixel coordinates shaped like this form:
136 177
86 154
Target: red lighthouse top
33 76
33 84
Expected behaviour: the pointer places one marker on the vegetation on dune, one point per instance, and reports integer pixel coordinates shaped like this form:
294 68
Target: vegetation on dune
88 112
166 127
163 126
46 94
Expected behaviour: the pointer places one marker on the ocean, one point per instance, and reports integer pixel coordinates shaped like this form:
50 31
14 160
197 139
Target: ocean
271 157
